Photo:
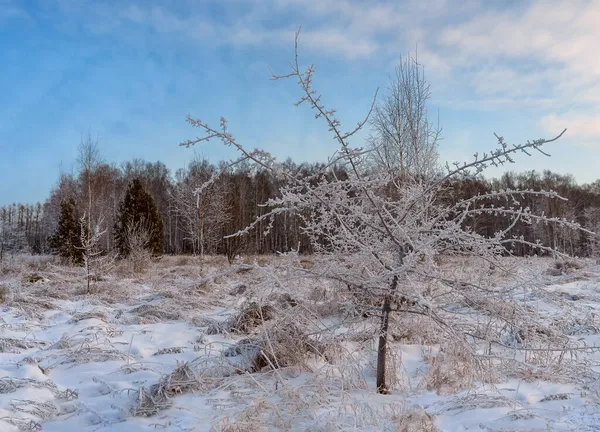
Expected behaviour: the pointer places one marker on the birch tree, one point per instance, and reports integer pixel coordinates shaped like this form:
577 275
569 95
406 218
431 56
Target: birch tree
403 139
96 262
201 203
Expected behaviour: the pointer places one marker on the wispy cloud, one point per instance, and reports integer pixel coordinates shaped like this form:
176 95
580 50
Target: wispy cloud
585 127
543 54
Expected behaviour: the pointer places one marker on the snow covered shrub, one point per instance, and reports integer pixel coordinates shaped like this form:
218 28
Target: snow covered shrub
136 236
383 227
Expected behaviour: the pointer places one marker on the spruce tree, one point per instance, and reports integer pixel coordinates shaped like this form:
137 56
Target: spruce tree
138 208
66 241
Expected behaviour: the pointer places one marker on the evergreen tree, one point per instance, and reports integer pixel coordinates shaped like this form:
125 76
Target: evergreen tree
66 241
138 209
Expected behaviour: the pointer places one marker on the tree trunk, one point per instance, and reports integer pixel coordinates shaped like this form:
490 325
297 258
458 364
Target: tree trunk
383 335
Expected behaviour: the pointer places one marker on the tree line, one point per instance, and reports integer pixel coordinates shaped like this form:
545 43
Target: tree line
200 223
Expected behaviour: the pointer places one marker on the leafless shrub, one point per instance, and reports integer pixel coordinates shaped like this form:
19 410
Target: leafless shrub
137 239
396 219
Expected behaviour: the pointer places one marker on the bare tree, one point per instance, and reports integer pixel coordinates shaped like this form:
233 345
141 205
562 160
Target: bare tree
403 139
200 199
96 262
392 246
89 160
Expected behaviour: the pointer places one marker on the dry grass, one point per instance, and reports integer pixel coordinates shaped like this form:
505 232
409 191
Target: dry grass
251 315
93 314
23 424
562 267
414 420
314 335
33 278
42 410
283 344
200 375
13 345
6 294
156 313
453 369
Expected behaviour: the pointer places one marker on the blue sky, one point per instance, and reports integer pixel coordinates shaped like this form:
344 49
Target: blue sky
129 71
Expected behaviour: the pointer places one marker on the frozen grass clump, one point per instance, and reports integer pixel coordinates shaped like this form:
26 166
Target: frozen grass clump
283 344
156 313
414 420
251 315
93 314
453 369
561 267
6 294
200 375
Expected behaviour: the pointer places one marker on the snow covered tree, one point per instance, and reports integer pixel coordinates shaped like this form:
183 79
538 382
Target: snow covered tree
96 262
200 200
385 236
403 139
138 207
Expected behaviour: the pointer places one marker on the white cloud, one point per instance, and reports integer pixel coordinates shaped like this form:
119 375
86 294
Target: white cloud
581 128
541 53
558 39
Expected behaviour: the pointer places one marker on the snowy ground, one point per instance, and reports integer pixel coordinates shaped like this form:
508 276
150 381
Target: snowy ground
159 351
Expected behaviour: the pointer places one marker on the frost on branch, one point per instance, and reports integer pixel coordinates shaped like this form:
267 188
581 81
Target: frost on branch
389 237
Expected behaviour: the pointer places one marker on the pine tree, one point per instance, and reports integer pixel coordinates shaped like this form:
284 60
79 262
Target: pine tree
138 209
66 241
